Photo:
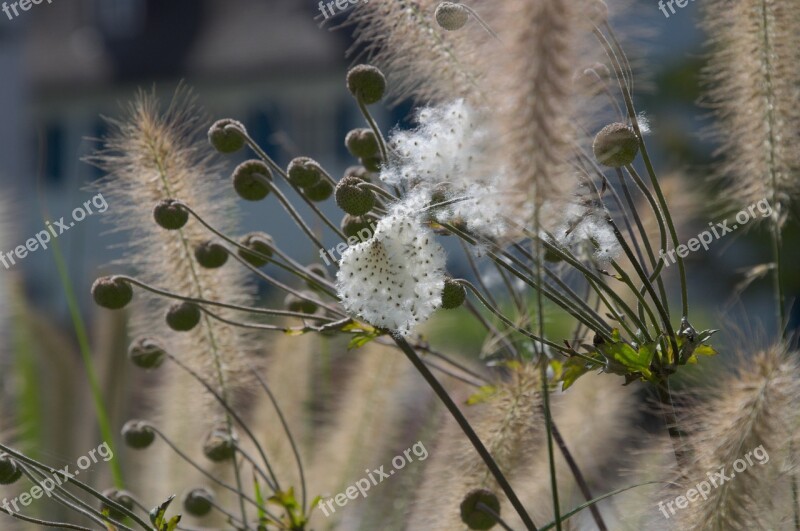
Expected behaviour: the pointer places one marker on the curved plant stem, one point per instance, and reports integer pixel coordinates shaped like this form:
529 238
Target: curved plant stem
467 429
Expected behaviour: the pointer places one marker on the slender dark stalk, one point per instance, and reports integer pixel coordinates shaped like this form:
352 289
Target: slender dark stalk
579 479
467 429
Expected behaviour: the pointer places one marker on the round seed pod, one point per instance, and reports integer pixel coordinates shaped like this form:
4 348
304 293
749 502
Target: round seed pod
227 136
219 445
474 517
320 191
372 164
146 353
260 243
138 434
120 497
248 180
616 145
198 501
211 255
294 303
304 172
366 83
183 316
352 225
451 16
362 143
10 472
169 215
112 293
352 199
453 295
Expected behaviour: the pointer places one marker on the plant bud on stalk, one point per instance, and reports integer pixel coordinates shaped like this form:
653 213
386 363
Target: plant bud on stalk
259 242
138 434
112 293
198 501
211 255
248 180
170 215
616 145
304 172
351 198
146 353
366 83
451 16
183 316
227 136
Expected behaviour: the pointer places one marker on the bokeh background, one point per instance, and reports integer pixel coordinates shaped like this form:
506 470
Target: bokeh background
272 65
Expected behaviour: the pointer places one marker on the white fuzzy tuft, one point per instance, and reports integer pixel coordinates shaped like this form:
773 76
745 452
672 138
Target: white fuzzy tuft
395 279
448 151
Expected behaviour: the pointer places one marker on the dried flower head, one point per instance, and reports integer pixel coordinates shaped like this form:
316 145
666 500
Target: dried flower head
249 180
395 279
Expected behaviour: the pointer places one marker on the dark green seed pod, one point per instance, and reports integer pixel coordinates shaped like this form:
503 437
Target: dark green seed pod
320 191
183 316
352 199
219 445
352 225
453 295
259 242
362 143
304 172
227 136
473 516
120 497
372 164
10 472
451 16
366 83
198 501
249 180
359 172
146 353
616 145
294 303
170 215
211 255
112 293
138 434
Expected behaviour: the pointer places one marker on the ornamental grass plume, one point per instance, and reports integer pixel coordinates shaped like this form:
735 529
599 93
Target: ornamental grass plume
753 411
154 156
422 59
533 96
753 86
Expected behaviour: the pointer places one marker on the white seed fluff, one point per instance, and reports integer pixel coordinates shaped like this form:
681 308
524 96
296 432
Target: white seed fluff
395 279
447 151
586 230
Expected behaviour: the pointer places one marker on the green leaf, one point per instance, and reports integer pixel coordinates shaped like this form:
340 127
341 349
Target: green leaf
158 519
574 368
485 392
624 359
359 340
